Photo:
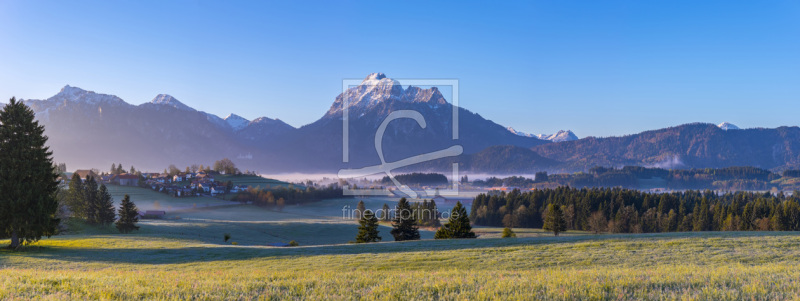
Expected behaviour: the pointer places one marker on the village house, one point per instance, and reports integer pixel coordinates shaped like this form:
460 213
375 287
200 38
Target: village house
127 179
106 178
162 178
215 190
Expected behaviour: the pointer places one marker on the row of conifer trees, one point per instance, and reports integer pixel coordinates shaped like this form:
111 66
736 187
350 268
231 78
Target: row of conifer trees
405 224
620 210
90 201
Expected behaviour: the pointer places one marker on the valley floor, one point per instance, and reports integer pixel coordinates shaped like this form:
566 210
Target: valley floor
715 266
185 257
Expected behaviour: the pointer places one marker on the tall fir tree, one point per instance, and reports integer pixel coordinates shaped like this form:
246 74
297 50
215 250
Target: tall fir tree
90 197
106 212
368 229
128 216
75 197
554 219
28 181
404 226
457 225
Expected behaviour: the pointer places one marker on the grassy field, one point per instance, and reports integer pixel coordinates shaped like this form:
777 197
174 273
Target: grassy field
146 199
185 257
708 266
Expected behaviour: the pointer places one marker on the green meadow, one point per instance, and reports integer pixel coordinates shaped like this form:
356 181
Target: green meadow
184 256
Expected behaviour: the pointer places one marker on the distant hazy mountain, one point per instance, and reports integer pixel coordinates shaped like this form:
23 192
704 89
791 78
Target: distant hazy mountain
561 136
501 159
319 144
89 129
697 145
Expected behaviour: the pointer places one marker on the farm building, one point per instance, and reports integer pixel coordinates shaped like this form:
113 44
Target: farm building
127 180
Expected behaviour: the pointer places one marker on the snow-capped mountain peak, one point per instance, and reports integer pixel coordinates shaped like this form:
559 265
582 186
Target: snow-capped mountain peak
518 133
75 94
168 100
375 76
561 136
236 122
70 90
728 126
376 88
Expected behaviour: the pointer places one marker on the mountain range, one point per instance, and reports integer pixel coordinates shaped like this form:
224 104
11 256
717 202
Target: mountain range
89 129
560 136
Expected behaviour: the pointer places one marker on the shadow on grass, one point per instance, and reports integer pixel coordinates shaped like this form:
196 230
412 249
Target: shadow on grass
223 253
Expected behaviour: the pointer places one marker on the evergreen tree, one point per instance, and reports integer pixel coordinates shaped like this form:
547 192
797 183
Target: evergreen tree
105 206
368 229
404 224
554 219
28 181
457 225
75 197
702 221
113 169
128 216
90 191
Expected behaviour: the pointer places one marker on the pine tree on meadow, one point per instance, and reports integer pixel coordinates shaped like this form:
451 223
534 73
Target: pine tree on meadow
368 229
404 225
75 197
457 226
105 206
554 219
28 181
128 216
90 191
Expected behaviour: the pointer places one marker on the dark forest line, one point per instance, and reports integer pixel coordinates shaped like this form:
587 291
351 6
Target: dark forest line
621 210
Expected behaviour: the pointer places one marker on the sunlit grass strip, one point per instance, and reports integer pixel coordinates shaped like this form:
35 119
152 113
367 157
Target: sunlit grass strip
698 266
668 282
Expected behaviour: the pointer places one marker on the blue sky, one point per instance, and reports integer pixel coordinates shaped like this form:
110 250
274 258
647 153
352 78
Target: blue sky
600 68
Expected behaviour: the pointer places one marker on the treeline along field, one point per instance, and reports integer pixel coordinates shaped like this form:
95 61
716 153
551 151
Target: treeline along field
621 210
729 178
277 198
